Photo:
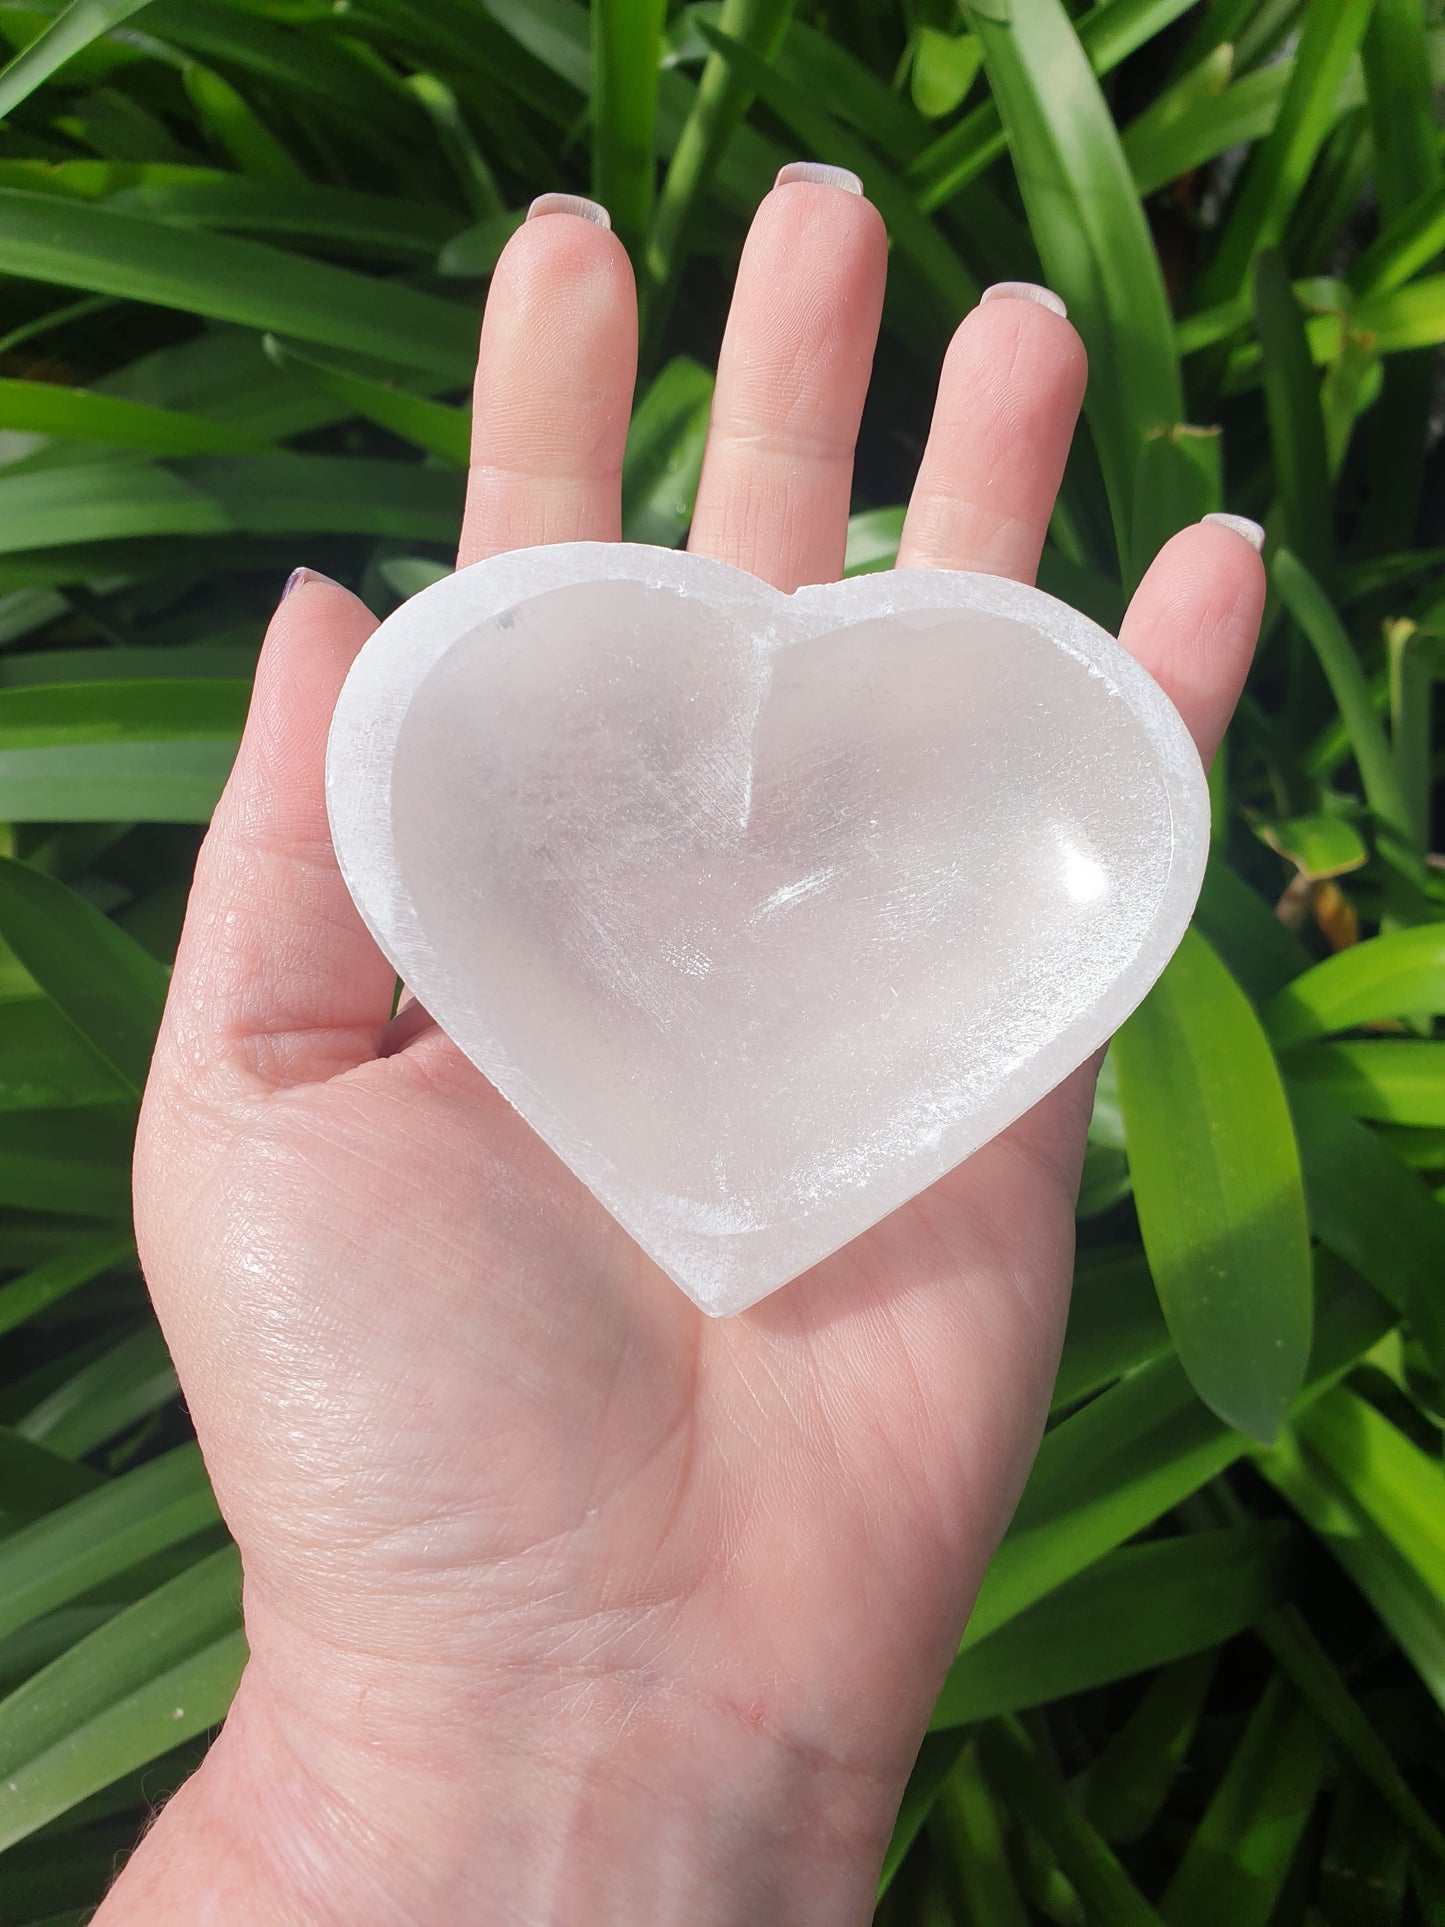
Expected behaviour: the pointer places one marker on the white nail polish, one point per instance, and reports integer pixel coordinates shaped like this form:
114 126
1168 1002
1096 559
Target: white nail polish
820 175
1025 291
577 204
1241 524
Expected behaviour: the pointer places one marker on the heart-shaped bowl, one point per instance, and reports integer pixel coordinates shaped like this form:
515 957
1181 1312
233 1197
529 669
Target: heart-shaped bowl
764 910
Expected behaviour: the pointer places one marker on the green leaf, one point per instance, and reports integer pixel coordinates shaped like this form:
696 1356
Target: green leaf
1131 1779
1260 952
34 1480
1401 1490
913 234
1139 1608
1108 33
45 1064
1277 171
76 1162
1235 1866
1403 128
1403 246
474 252
1390 976
1311 608
1092 237
234 125
81 1545
967 1838
1218 1189
213 495
1319 846
873 539
626 48
1403 150
1411 1609
1115 1325
149 1678
145 752
125 1383
721 100
935 1762
1102 1476
1135 1452
1319 1683
220 661
110 989
850 86
39 408
663 461
428 425
1390 323
73 30
1180 128
1292 405
1179 481
74 245
944 67
470 166
337 219
1365 1860
1029 1787
1394 1082
65 1271
1372 1212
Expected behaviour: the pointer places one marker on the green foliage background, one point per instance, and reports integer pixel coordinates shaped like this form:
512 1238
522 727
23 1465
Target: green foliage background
243 246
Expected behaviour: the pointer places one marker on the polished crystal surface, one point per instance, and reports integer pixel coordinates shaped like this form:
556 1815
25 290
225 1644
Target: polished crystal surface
765 911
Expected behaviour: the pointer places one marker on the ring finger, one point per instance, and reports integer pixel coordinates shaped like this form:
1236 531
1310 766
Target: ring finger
1008 399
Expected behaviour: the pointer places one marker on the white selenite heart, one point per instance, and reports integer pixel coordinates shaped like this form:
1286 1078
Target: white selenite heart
764 911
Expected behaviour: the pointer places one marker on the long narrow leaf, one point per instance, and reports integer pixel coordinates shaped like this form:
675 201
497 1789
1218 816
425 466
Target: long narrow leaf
1139 1608
109 988
153 752
149 1678
1235 1866
626 44
1218 1189
1278 170
73 30
1392 975
79 1546
74 245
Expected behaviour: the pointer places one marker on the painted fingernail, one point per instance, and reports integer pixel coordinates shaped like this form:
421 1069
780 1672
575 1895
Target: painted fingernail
1241 524
577 204
299 577
820 175
1025 291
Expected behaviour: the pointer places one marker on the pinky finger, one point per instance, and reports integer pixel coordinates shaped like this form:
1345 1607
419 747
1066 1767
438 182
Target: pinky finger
1194 621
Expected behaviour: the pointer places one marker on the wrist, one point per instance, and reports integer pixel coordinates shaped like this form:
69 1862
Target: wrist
623 1814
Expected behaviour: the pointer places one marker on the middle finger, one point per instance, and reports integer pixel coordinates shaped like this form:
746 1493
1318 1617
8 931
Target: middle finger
792 375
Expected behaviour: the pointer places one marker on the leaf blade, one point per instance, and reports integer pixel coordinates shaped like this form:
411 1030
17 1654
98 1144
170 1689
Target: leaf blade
1218 1188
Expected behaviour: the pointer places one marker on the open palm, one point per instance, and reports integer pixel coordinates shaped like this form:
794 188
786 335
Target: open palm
512 1512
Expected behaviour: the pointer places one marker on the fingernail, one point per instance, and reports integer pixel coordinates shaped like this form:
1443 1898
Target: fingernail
577 204
1241 524
1025 291
820 174
298 577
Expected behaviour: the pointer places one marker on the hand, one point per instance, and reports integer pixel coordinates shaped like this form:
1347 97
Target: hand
566 1603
